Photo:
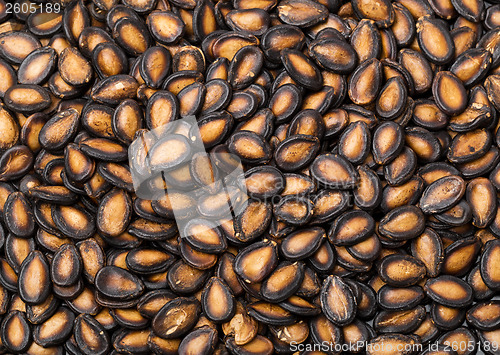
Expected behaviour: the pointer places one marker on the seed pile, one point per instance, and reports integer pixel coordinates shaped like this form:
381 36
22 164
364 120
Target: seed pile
369 135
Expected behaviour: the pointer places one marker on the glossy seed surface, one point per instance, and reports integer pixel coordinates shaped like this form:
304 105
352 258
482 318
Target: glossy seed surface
249 177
